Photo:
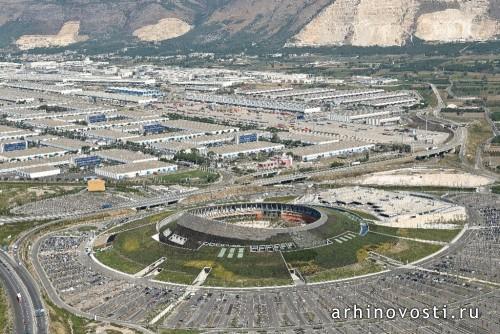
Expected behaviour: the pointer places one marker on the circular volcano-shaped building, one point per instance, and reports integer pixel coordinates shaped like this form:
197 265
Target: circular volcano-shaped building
255 224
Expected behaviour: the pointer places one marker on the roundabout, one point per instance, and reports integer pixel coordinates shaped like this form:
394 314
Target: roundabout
247 245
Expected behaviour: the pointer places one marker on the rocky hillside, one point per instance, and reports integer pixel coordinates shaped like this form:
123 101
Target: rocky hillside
395 22
27 24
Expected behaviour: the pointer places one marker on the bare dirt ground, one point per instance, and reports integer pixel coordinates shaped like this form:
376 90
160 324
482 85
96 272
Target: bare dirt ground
418 177
163 30
69 34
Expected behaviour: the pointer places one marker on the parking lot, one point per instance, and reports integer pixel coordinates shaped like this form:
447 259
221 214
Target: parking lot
439 281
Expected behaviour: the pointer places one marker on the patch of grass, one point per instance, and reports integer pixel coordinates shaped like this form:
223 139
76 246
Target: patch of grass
428 96
362 268
407 251
9 232
86 228
126 189
114 259
495 116
141 222
179 331
64 322
5 323
479 132
112 331
340 260
189 177
314 261
496 189
363 214
175 276
338 222
138 246
417 233
254 269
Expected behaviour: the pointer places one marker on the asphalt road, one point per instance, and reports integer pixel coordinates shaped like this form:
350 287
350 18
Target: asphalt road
24 320
35 297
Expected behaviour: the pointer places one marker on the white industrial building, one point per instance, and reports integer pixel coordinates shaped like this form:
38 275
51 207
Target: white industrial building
307 138
49 123
172 148
32 153
367 115
109 136
71 145
9 167
38 172
132 170
233 151
7 132
125 156
165 137
310 153
213 140
207 128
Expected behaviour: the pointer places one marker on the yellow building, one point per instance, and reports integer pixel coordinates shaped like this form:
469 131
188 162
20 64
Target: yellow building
96 185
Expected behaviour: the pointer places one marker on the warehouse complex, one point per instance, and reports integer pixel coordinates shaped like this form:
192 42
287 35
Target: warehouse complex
120 127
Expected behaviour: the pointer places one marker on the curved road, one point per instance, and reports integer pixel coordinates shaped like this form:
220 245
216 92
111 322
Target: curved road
17 280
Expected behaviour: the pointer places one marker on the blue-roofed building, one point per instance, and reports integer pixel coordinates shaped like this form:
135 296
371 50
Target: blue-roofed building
247 138
87 161
135 91
154 128
10 146
96 118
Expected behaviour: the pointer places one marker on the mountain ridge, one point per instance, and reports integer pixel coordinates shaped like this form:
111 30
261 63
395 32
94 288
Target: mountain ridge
27 24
